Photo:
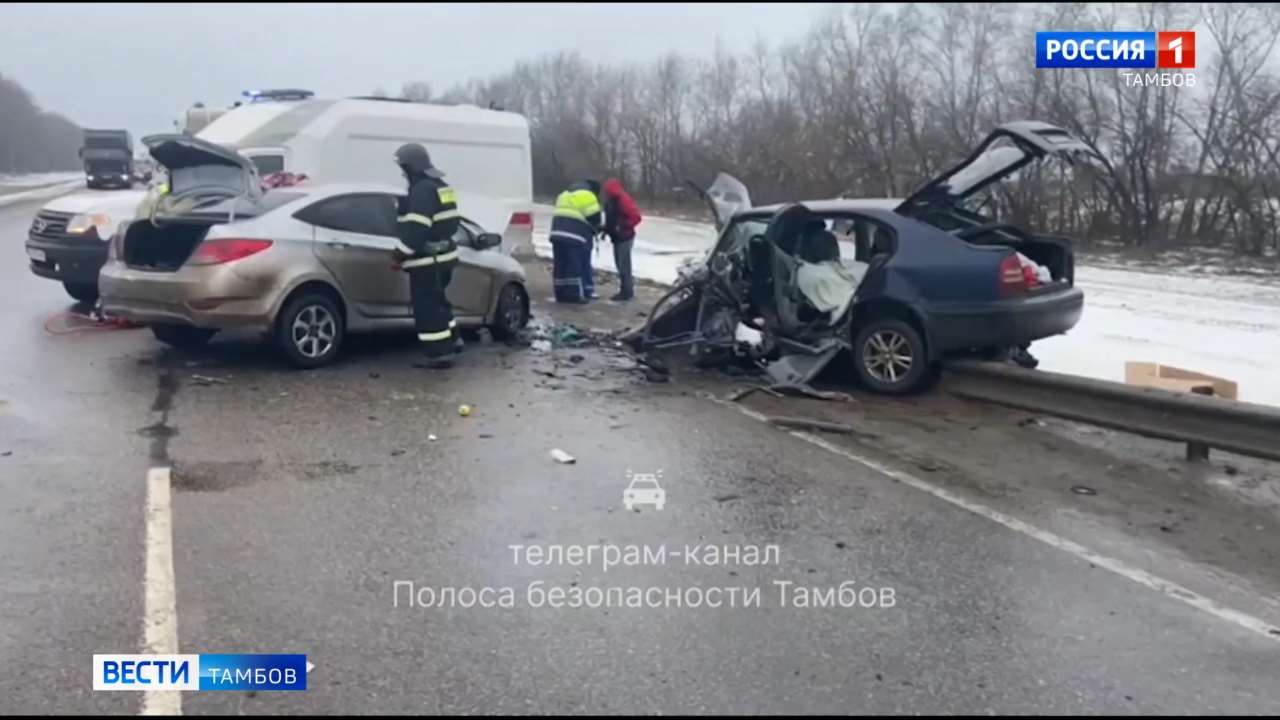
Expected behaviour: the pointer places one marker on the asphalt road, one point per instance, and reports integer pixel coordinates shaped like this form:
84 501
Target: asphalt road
301 498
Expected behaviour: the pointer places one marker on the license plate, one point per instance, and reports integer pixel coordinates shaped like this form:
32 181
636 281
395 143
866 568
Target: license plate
37 255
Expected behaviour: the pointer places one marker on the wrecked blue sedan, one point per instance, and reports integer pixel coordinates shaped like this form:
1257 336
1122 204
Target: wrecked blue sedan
896 286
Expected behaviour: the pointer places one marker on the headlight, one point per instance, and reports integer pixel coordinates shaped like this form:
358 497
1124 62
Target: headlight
80 224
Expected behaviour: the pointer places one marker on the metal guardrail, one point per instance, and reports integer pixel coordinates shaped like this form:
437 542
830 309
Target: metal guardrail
1201 422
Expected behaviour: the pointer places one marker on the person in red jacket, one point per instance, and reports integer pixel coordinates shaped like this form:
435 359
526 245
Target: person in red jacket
621 216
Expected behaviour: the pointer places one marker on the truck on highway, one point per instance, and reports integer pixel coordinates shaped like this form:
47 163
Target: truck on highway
107 156
486 154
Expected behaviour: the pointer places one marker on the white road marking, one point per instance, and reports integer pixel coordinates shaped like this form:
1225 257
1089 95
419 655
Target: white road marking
160 602
1137 575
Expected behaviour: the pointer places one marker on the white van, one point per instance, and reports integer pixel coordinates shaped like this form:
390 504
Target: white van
484 153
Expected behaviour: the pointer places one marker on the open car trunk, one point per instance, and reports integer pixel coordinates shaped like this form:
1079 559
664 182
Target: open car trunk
162 248
208 185
1009 148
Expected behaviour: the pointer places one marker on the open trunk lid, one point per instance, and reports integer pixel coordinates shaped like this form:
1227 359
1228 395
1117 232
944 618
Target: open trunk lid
1008 148
201 174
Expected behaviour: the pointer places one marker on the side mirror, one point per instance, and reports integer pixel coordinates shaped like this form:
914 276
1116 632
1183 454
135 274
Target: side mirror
488 240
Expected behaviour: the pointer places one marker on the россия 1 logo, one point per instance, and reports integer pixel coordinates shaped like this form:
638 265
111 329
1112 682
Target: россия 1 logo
1165 51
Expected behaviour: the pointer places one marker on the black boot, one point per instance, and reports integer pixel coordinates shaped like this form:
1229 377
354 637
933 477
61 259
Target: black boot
1023 358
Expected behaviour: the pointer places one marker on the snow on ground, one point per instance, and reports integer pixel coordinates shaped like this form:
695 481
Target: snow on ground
37 179
660 246
1222 326
43 187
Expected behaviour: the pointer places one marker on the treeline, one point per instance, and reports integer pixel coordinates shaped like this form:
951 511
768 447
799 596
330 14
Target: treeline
32 140
874 100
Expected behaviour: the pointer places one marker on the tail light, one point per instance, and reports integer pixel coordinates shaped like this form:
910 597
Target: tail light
113 246
521 218
1012 280
1029 277
224 250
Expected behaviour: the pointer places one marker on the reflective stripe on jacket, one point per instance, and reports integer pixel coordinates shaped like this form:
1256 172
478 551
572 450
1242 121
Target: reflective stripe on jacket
426 222
576 217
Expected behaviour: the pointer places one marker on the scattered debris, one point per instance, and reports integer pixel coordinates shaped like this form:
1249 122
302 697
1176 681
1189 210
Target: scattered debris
1166 528
562 457
541 345
575 359
1029 421
464 410
808 391
485 436
432 438
375 375
840 545
565 334
401 396
1083 490
206 381
397 453
793 423
1231 470
548 373
617 426
735 397
929 466
656 376
727 498
6 453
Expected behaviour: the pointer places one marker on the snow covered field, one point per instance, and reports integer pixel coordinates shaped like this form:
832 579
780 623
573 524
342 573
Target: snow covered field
38 186
37 179
1221 326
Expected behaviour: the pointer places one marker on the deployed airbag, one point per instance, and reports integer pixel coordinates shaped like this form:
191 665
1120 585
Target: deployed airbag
830 286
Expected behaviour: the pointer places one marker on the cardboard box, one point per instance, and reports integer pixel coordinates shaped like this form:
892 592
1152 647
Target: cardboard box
1148 374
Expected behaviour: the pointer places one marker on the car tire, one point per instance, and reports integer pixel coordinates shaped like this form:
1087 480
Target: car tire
310 330
512 313
889 356
82 292
182 336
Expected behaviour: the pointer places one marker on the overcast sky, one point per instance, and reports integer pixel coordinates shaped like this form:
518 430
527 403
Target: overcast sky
140 66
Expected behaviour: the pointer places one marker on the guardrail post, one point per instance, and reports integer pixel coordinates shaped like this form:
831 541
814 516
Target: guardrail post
1198 451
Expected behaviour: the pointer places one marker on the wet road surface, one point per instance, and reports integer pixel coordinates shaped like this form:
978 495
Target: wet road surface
300 499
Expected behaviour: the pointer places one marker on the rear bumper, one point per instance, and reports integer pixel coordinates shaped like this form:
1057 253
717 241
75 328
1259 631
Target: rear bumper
1006 323
206 297
67 258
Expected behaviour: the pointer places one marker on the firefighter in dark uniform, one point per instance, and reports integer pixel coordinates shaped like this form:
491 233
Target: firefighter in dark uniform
427 219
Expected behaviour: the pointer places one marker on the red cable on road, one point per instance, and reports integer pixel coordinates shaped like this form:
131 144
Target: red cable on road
96 324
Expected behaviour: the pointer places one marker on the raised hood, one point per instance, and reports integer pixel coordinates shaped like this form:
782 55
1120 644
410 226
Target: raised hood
1008 148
